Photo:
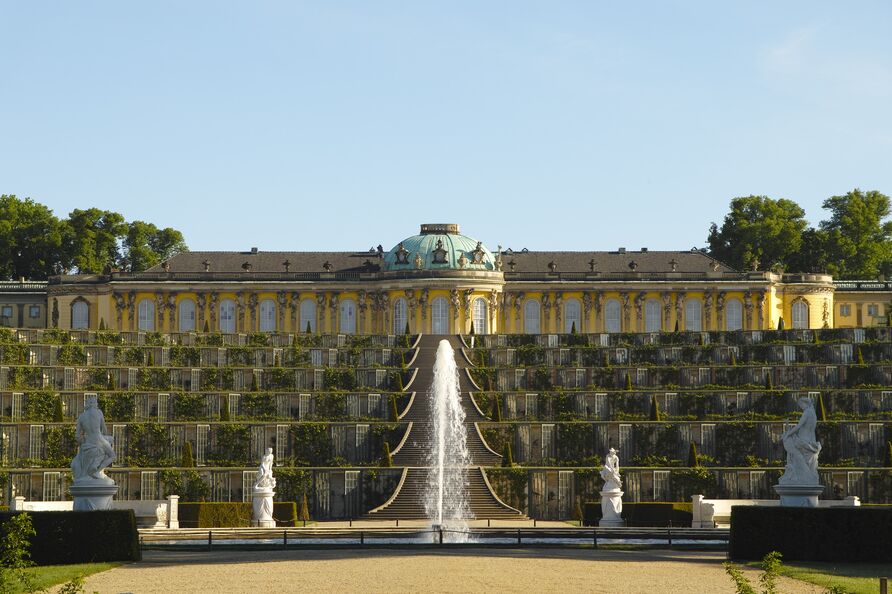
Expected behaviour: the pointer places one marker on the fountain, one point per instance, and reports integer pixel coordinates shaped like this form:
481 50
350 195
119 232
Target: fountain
446 494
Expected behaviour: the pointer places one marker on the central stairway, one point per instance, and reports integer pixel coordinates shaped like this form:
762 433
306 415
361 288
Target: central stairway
407 503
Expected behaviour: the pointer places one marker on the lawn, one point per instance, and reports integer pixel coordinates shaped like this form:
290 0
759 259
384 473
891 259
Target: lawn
857 578
50 575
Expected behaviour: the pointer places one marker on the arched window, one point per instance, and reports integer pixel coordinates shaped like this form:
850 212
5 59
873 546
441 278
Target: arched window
187 315
80 315
399 316
612 316
572 316
800 314
227 316
267 315
146 311
692 317
480 316
733 315
439 316
307 315
652 316
531 316
348 317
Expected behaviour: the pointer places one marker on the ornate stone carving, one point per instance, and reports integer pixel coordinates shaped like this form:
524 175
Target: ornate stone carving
55 314
825 313
281 300
455 301
439 253
295 307
172 310
478 254
720 310
419 261
761 299
627 311
207 265
707 308
667 308
131 306
402 254
422 301
200 300
558 302
679 306
518 302
466 302
498 262
362 300
160 302
240 310
462 260
748 308
252 307
212 305
586 303
673 265
639 308
119 308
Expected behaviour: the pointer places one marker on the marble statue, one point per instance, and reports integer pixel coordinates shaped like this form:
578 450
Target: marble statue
802 448
611 493
610 472
265 479
94 452
263 494
799 486
91 489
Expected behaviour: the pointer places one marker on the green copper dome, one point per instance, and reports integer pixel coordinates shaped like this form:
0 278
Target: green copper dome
439 247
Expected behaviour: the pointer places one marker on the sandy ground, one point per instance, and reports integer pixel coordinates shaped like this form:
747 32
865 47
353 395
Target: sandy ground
466 570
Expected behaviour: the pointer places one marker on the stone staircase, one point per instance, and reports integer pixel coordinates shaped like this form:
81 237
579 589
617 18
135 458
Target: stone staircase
408 504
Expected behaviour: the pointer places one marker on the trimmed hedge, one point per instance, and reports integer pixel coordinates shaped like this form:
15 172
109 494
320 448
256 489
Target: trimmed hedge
213 514
811 534
657 514
64 537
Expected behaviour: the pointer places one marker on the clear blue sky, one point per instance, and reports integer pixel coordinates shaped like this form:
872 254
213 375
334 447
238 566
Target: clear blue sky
342 125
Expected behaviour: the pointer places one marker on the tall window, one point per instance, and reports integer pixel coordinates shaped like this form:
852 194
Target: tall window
572 317
227 316
480 316
348 317
531 316
267 315
800 314
652 321
307 315
733 315
80 315
612 316
439 316
187 315
692 315
146 310
399 316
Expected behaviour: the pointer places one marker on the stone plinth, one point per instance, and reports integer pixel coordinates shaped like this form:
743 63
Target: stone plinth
799 495
611 509
263 508
92 496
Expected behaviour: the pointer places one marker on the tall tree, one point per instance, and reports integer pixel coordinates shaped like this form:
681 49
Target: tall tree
92 239
145 245
858 239
758 228
30 239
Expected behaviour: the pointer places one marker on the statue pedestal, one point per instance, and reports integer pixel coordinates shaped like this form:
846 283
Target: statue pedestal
799 495
611 508
92 495
263 508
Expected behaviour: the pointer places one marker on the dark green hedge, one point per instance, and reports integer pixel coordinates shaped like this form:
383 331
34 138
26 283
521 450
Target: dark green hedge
82 536
644 514
208 514
811 534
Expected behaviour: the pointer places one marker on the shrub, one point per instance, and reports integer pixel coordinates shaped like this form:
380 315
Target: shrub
15 553
231 514
81 536
811 534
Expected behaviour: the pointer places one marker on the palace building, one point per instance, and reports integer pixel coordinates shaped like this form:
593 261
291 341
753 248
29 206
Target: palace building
440 281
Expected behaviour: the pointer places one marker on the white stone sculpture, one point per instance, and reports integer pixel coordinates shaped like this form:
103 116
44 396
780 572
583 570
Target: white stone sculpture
611 493
799 486
91 488
264 491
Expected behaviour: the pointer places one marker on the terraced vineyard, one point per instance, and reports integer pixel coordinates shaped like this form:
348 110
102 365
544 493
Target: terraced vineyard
190 413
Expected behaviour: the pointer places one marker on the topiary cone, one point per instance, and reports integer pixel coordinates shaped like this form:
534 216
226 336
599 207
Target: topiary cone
507 456
386 458
693 457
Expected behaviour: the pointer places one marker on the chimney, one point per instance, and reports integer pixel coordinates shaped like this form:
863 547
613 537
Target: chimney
644 250
253 250
622 250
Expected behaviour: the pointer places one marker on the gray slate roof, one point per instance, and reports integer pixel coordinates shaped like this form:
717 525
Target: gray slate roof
223 262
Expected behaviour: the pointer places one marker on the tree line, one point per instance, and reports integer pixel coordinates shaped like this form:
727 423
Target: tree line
761 233
35 244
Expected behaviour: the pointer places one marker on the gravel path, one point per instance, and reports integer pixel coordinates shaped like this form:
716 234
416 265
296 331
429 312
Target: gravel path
466 570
